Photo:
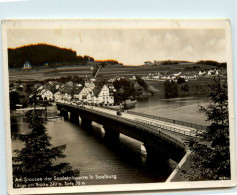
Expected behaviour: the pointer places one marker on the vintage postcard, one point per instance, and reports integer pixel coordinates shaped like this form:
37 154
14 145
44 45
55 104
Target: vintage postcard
118 105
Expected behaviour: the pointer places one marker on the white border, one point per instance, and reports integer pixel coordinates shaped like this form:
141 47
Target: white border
171 24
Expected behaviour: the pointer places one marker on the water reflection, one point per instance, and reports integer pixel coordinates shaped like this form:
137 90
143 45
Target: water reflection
14 127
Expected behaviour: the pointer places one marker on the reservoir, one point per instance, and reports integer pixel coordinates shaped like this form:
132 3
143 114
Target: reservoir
185 109
123 163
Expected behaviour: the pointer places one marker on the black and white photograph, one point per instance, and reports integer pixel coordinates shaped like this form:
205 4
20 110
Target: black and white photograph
118 105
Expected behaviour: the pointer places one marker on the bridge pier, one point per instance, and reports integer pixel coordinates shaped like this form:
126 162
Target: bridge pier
111 136
74 117
64 113
160 146
157 160
85 123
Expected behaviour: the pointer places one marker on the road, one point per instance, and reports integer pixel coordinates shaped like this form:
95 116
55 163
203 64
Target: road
165 126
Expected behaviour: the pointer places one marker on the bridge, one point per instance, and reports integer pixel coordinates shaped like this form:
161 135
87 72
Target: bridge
163 138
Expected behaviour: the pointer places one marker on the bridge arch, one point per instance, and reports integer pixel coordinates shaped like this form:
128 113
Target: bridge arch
158 144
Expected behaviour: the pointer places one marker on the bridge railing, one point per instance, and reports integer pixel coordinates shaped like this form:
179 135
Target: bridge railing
156 130
196 126
169 128
151 129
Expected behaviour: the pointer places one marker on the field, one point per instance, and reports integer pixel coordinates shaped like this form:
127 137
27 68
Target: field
107 72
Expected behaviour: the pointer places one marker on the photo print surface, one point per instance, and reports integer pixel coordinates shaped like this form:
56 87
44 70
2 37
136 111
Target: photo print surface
118 103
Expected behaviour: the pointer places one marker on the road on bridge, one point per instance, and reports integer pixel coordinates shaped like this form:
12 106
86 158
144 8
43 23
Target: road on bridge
174 130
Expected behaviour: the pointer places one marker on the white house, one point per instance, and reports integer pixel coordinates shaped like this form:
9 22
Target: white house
211 72
188 76
47 95
156 77
57 96
81 93
26 66
90 97
217 73
103 95
200 73
177 74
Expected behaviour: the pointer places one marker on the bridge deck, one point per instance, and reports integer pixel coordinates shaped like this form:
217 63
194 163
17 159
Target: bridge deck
178 132
175 131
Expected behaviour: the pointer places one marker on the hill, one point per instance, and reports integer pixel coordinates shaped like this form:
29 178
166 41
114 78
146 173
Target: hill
42 54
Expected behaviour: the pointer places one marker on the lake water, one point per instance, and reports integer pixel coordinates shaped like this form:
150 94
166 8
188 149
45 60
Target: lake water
88 152
184 109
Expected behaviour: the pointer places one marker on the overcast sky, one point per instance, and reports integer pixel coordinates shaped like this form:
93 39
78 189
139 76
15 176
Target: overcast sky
130 46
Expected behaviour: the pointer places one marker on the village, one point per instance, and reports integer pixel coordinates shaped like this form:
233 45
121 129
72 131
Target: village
91 92
84 92
158 76
54 91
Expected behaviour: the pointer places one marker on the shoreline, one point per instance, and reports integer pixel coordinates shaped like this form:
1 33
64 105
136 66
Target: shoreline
22 111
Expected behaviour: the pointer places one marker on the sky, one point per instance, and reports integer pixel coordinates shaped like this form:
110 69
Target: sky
130 46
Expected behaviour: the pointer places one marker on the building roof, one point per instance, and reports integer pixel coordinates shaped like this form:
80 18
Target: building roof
77 90
66 89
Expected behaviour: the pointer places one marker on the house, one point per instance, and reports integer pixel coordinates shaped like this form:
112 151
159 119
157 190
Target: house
77 93
69 83
213 72
89 98
26 66
217 72
47 95
66 93
57 96
188 76
111 87
103 95
177 74
81 93
156 77
55 84
202 73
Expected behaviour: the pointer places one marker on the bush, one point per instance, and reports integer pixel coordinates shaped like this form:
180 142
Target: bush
171 89
180 80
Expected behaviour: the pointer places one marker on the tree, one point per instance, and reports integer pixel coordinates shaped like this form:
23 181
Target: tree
102 64
180 80
14 99
185 87
124 90
211 152
142 83
36 158
171 89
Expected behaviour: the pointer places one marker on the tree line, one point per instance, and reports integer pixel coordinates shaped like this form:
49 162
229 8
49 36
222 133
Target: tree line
213 63
42 54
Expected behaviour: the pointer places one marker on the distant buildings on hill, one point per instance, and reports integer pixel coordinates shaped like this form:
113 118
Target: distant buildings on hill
26 66
175 75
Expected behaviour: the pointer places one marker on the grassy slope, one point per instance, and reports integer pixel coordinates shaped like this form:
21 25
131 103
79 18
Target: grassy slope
107 72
